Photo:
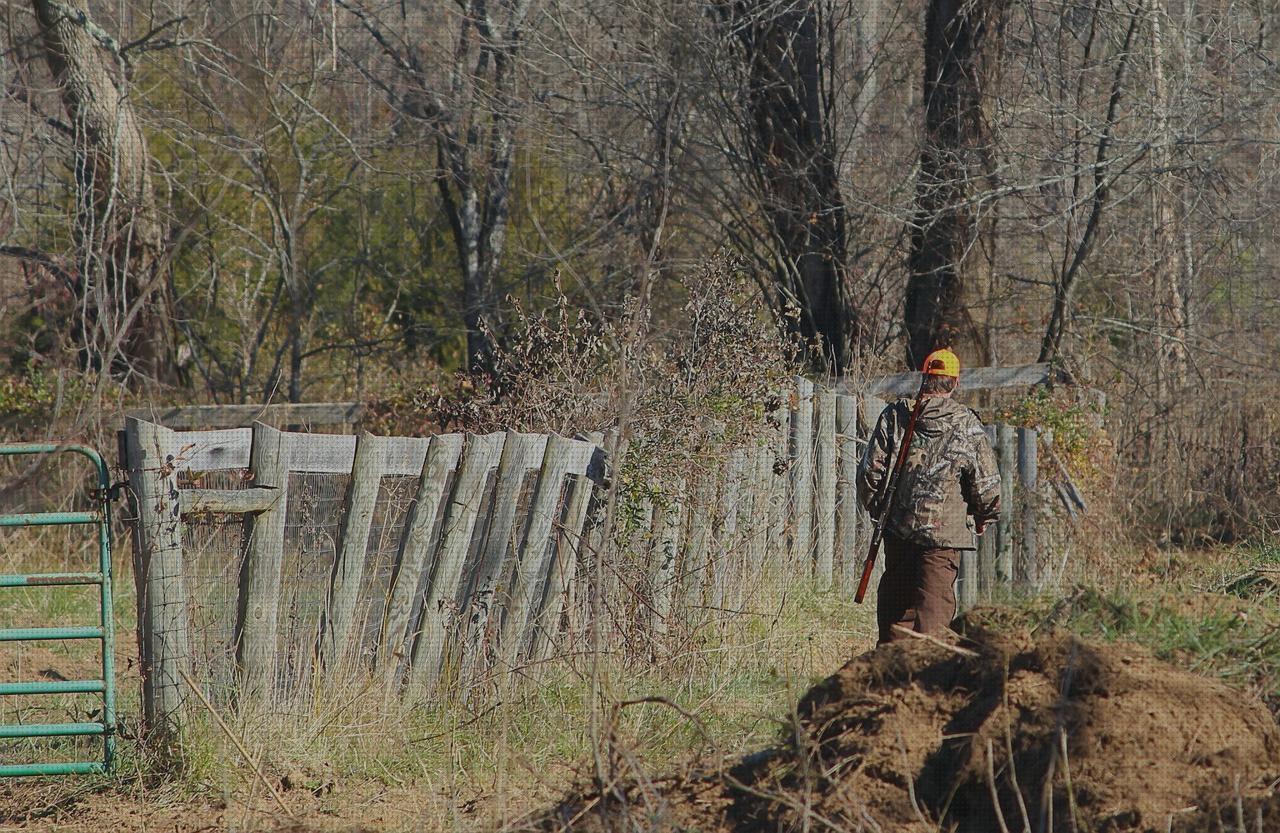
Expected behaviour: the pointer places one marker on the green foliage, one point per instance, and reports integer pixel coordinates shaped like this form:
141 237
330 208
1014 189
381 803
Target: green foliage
1056 410
39 394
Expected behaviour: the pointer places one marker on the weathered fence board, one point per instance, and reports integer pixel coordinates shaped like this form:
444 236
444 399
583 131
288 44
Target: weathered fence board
520 453
665 552
761 474
801 548
564 566
779 516
693 571
227 501
721 557
846 567
211 450
1027 476
234 416
422 533
482 454
1006 457
258 607
163 609
563 456
987 542
340 639
824 498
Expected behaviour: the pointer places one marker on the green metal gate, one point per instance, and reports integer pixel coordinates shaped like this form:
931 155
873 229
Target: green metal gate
104 632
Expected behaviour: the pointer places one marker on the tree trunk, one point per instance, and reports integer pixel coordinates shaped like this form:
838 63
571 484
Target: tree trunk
961 57
1167 263
124 296
793 148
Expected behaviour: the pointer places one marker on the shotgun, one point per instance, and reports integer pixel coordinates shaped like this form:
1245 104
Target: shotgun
885 504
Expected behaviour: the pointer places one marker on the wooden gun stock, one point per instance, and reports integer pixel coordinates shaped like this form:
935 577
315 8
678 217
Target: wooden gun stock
869 564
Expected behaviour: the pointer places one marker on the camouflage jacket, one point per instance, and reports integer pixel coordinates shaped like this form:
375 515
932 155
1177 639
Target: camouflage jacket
949 478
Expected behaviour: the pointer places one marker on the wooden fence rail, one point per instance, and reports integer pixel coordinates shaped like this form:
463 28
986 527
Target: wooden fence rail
479 566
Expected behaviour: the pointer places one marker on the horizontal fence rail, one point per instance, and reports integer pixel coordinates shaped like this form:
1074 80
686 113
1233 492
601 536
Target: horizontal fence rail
272 562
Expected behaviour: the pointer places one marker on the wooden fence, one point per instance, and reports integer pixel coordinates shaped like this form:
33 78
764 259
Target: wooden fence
437 561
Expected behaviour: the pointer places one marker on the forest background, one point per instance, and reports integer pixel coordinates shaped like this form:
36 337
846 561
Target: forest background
516 211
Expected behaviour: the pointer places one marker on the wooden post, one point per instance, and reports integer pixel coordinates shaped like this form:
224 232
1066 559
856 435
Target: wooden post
846 557
779 482
801 549
534 556
1006 454
967 580
987 543
722 549
824 504
665 551
760 468
1027 476
565 564
340 639
164 638
481 455
421 536
258 606
693 570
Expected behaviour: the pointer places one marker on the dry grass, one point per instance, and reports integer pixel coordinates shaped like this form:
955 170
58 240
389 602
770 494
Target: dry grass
471 764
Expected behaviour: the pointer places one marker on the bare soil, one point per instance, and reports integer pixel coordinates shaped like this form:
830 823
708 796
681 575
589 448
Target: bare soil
1011 732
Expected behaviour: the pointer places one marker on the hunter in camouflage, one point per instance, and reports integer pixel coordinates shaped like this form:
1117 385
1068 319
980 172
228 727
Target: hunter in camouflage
948 490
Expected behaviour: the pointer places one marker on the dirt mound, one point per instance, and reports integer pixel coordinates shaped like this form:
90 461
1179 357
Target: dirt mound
1048 733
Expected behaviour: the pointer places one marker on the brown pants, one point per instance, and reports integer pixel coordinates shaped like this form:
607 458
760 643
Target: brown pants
917 590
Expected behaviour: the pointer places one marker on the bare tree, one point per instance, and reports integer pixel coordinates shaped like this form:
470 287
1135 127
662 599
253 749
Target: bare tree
962 43
470 111
121 281
787 52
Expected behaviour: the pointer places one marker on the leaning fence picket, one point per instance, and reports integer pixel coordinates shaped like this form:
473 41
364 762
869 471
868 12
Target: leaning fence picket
870 408
693 569
967 580
760 473
564 567
779 498
421 535
520 452
987 542
258 606
725 539
529 577
481 455
339 640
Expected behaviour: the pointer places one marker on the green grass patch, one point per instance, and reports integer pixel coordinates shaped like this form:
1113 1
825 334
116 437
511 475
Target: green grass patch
1214 616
